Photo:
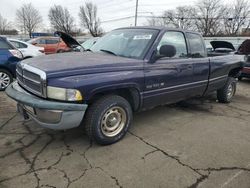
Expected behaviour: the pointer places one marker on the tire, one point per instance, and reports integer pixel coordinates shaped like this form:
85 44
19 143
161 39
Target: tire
240 78
109 112
60 51
5 79
226 93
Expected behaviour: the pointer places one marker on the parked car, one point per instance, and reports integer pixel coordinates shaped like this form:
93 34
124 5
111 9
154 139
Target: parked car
245 73
245 49
127 70
89 43
218 48
28 50
85 46
9 56
51 44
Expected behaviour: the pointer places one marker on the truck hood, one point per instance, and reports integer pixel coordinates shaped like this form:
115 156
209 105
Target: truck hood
75 63
222 44
67 39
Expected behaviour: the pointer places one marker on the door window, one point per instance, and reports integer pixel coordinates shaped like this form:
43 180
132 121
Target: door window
52 41
42 41
197 48
177 40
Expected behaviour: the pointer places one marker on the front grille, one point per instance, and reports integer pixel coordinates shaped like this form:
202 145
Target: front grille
32 79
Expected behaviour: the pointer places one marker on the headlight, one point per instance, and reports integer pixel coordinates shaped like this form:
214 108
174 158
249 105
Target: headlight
63 94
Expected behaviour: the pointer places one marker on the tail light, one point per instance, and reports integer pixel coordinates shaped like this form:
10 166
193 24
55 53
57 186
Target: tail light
16 53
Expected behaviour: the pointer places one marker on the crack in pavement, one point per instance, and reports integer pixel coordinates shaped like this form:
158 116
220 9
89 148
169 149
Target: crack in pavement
112 177
151 152
202 177
6 122
166 154
97 167
199 181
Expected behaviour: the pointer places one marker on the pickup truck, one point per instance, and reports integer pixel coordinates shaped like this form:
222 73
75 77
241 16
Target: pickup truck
127 70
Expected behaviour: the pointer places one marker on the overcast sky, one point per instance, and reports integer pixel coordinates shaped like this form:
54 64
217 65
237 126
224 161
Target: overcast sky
107 9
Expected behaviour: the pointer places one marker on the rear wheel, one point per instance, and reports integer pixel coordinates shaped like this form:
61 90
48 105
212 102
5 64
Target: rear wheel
226 93
108 119
5 79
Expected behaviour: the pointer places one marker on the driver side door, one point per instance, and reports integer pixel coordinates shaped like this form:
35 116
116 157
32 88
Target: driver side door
169 79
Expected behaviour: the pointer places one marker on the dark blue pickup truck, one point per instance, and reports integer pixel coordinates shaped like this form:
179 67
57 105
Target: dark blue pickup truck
127 70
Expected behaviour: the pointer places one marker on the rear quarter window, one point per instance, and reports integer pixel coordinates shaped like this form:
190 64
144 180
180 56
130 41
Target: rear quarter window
18 44
196 44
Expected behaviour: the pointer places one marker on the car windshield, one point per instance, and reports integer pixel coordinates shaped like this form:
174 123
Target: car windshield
131 43
88 43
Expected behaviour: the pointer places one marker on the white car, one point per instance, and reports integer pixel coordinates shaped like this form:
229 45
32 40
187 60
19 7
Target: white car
28 50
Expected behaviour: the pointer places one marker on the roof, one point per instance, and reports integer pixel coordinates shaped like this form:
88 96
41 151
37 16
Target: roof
161 28
46 37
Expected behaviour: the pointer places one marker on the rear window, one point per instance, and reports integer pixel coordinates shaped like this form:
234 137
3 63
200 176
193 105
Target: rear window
196 45
4 44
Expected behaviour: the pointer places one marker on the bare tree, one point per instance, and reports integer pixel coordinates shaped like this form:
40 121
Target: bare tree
155 20
4 25
236 16
181 17
28 18
89 19
60 19
208 16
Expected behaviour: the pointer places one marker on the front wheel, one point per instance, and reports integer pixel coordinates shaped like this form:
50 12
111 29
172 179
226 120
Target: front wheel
60 51
108 119
5 79
226 93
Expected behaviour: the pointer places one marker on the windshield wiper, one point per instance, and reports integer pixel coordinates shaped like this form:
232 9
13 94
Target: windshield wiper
107 51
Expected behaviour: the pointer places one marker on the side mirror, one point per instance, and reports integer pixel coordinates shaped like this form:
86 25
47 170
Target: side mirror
167 51
34 43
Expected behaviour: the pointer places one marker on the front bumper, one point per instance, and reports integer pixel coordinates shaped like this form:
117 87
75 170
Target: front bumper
49 114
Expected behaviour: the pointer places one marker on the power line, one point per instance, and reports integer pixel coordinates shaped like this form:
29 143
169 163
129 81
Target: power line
194 18
117 19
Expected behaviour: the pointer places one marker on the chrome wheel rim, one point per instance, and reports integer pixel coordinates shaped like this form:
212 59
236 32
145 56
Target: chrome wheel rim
113 121
4 80
230 91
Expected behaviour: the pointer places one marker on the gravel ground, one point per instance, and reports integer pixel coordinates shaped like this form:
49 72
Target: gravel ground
197 143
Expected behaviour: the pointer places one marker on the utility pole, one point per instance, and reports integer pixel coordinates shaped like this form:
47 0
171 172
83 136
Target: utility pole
136 11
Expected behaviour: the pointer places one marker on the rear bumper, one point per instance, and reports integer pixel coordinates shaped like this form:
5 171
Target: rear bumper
49 114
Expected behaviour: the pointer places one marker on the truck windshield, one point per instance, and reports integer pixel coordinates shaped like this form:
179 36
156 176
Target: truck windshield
131 43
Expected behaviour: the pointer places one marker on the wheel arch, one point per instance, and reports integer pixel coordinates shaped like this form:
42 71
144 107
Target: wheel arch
235 72
131 94
7 69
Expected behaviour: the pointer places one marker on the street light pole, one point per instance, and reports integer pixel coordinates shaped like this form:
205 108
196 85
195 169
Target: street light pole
136 11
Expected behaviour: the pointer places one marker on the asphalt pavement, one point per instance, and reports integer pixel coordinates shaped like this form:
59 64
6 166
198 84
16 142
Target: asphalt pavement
196 143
